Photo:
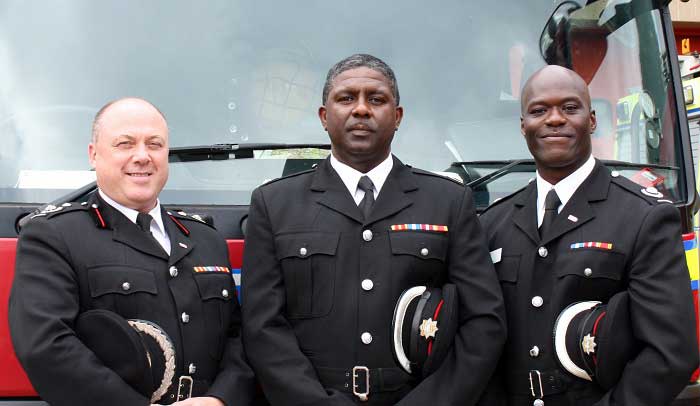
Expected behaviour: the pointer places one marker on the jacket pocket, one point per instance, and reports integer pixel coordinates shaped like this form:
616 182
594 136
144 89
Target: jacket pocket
120 280
507 269
308 266
592 264
423 245
216 292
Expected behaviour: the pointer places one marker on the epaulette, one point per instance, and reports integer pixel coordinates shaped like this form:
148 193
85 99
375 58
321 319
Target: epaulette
504 199
440 175
181 215
50 210
649 194
291 175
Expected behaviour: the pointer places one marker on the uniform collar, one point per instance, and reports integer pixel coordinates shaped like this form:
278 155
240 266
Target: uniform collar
131 213
565 188
351 176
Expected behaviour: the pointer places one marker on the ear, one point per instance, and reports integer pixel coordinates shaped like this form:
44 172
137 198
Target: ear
522 126
399 116
92 152
322 117
594 121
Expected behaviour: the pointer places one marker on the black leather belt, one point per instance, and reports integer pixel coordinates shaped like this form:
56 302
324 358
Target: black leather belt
538 383
184 387
361 381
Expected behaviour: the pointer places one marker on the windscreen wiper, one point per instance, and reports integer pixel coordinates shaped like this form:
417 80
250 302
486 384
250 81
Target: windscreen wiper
218 152
528 165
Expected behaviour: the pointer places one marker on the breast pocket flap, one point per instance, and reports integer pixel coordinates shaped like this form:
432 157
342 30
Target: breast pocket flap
306 244
424 245
116 279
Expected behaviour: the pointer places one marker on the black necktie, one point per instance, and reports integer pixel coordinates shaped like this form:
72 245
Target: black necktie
367 202
143 220
551 204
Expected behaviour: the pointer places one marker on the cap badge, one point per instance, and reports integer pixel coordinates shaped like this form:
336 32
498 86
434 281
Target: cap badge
588 344
428 328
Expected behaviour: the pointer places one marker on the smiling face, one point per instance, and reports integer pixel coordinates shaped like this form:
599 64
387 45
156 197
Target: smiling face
361 117
557 121
130 153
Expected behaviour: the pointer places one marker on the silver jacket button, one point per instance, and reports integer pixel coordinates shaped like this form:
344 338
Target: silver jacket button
537 301
192 369
538 402
366 337
424 252
173 271
614 174
126 286
367 284
588 272
224 293
185 318
302 251
534 351
367 235
542 252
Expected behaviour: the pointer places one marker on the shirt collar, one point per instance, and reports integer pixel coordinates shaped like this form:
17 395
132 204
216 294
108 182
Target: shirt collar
131 213
351 176
566 187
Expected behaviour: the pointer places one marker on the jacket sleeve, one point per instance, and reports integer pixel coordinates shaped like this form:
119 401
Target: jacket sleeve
482 332
661 309
235 383
43 307
286 375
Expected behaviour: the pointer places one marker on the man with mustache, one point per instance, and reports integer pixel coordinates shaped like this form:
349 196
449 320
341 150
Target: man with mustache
120 255
329 251
583 233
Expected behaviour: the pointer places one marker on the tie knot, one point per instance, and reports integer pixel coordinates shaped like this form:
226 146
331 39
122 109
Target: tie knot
366 184
143 220
551 202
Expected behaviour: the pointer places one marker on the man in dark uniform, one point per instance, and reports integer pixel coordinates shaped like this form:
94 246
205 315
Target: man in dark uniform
121 251
581 233
329 251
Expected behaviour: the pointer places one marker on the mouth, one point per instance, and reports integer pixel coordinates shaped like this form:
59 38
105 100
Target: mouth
139 174
360 129
556 136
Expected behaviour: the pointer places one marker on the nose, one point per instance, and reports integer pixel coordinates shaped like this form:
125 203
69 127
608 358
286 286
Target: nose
555 118
361 108
141 155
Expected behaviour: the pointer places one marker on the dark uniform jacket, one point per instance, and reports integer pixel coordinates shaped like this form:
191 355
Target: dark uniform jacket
646 259
320 285
79 258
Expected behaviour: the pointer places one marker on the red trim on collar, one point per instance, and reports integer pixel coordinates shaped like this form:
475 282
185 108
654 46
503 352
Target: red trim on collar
99 217
179 225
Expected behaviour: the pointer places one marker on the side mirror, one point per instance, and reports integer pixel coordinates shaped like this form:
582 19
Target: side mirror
555 46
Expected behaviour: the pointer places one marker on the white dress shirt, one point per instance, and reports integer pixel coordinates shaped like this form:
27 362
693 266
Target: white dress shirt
565 188
351 176
157 227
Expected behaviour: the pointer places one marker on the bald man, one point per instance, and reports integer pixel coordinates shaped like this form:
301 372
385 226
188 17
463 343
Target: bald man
123 254
535 237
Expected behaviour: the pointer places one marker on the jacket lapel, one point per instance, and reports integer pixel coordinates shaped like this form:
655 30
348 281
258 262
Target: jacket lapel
128 233
180 244
578 211
391 199
525 216
394 197
335 195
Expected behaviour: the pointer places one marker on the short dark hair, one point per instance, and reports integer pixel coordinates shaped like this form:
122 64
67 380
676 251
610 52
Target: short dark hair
361 61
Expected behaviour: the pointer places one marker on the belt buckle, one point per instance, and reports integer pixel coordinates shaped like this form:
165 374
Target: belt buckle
539 384
362 395
184 381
